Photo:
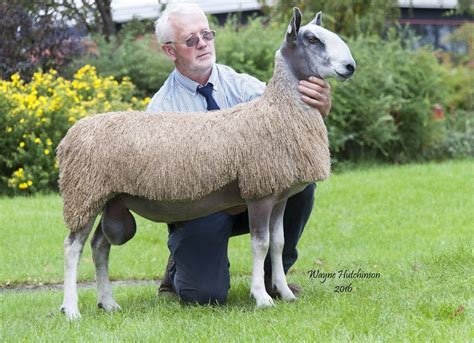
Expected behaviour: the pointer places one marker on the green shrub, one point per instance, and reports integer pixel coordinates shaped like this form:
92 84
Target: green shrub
35 116
386 110
459 138
137 58
249 49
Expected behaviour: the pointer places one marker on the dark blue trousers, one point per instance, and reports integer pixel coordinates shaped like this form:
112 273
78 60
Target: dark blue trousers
199 249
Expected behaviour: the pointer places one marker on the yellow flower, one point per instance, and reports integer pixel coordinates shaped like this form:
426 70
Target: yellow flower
46 151
97 83
37 140
23 185
22 120
49 141
22 144
19 173
15 77
29 182
9 129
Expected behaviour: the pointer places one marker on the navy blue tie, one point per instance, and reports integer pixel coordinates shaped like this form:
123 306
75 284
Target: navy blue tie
206 92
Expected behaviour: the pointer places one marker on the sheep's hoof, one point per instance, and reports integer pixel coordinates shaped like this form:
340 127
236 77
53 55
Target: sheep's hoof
263 300
71 314
287 295
109 306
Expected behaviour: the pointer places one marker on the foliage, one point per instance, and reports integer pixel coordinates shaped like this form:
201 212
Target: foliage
348 18
458 139
386 110
45 34
465 35
32 37
249 49
137 27
36 115
138 58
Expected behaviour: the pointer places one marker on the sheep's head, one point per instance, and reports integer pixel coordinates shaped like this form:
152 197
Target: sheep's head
311 50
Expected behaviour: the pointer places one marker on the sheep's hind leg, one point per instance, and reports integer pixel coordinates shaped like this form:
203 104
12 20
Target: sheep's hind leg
277 241
73 247
259 218
100 254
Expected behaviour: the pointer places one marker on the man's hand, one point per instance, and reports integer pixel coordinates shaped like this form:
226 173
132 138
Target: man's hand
316 93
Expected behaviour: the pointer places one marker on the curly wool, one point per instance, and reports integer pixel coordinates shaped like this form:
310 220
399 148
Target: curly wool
267 145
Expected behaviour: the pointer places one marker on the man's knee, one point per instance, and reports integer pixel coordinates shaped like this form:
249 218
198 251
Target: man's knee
217 296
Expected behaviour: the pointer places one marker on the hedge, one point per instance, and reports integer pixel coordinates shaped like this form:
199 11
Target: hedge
36 115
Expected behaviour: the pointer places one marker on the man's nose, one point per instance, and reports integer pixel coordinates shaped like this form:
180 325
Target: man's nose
201 43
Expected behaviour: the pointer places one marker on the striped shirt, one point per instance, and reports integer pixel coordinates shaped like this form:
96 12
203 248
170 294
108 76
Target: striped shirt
179 93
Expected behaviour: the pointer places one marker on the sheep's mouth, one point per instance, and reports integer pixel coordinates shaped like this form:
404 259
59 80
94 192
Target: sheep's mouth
344 77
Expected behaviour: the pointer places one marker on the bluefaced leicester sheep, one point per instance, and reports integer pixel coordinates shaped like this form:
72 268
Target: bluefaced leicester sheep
171 167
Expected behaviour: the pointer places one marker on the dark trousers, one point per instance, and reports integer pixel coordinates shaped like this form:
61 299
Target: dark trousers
199 249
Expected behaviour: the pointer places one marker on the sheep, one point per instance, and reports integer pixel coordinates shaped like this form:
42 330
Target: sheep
172 167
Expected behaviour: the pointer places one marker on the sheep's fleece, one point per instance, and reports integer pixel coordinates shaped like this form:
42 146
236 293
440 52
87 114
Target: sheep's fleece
267 145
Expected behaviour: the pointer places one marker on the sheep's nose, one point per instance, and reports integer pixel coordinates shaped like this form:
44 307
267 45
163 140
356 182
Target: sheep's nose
350 68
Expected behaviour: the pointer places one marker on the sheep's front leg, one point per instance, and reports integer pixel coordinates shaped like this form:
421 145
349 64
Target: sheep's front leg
100 254
259 218
73 247
277 241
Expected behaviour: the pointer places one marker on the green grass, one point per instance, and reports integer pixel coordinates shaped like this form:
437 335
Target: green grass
412 224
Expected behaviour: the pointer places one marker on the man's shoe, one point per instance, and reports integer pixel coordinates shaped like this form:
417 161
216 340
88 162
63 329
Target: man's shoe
295 288
166 287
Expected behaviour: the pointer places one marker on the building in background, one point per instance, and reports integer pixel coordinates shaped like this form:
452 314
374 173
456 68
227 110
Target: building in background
433 21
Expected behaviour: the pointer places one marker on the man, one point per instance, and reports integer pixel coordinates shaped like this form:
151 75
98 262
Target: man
198 268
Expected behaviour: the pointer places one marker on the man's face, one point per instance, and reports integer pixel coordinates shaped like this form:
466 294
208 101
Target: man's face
196 59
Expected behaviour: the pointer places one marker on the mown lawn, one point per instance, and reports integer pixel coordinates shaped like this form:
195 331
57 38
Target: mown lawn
412 224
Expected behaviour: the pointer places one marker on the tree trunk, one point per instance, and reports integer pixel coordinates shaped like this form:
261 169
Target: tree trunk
108 26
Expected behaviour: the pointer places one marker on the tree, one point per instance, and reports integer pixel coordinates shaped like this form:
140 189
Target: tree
348 18
33 36
104 8
46 33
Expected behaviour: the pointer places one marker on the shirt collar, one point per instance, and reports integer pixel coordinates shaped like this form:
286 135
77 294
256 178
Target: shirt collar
191 86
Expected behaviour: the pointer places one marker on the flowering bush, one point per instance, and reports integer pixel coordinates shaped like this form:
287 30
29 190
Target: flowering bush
35 116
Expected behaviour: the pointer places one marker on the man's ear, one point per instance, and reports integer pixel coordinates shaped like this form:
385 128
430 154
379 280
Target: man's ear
294 26
318 20
169 52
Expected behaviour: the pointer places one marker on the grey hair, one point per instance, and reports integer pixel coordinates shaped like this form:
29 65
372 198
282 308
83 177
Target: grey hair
163 30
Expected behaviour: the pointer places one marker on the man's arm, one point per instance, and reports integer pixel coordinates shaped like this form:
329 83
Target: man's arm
316 93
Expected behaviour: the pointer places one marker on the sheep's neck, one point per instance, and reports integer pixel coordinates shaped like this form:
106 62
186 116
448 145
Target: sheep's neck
283 87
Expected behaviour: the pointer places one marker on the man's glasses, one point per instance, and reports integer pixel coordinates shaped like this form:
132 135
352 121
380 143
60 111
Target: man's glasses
194 40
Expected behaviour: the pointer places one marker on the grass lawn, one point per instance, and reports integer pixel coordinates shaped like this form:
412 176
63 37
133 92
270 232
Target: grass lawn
411 224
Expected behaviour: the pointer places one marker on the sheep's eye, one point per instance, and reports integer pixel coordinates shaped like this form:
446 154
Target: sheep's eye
313 40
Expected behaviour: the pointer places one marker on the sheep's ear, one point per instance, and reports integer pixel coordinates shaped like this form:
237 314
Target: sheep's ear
318 20
294 26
